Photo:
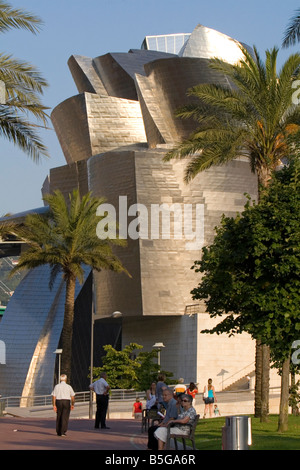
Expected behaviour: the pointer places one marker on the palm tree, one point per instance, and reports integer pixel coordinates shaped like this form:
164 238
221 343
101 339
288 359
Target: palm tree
66 240
254 117
292 32
23 85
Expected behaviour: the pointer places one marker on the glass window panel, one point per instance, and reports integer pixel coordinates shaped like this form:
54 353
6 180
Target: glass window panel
170 44
152 43
161 43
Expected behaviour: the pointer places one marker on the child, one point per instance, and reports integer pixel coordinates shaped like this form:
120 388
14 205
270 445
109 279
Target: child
216 411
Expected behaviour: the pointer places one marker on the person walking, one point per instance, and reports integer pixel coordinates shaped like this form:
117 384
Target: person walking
209 397
63 399
101 388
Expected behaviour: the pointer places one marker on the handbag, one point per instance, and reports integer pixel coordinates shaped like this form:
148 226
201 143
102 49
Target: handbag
205 395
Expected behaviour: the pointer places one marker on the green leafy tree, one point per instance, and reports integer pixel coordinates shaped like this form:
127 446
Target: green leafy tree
253 117
120 366
149 369
252 273
23 86
66 240
130 368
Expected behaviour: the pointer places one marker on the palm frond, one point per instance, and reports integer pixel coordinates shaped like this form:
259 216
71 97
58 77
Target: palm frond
185 149
292 32
23 85
12 18
55 270
253 118
219 148
18 73
66 238
8 228
216 102
20 132
247 74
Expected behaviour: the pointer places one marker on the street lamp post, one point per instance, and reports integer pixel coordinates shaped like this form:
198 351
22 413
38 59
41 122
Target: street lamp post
91 363
92 350
95 317
159 347
59 352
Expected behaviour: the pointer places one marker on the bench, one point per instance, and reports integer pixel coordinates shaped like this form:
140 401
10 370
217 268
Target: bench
183 437
150 415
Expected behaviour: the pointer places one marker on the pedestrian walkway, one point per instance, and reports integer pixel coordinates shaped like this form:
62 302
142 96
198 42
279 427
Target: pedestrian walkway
39 434
34 428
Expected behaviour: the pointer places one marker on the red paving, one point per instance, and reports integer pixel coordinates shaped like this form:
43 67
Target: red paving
40 434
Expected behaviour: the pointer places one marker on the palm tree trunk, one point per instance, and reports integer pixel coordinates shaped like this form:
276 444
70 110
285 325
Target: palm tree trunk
67 331
284 397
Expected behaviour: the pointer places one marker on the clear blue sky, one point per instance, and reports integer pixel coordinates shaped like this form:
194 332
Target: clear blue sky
95 27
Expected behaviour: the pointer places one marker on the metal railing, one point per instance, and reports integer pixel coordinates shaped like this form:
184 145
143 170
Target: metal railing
240 374
124 396
192 309
81 397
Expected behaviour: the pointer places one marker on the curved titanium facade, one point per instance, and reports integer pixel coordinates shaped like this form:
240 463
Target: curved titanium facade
114 135
164 89
138 179
88 124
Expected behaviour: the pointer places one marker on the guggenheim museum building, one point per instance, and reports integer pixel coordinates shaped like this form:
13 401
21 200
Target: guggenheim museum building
114 134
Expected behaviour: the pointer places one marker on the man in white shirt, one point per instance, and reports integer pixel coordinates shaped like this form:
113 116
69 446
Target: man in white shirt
63 399
101 388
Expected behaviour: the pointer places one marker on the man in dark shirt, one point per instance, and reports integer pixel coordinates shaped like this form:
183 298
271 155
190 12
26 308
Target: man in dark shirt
171 413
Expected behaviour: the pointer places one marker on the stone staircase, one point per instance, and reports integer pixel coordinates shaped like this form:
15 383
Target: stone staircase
241 384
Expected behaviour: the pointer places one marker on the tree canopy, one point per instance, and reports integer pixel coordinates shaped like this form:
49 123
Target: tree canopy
130 368
252 269
251 274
